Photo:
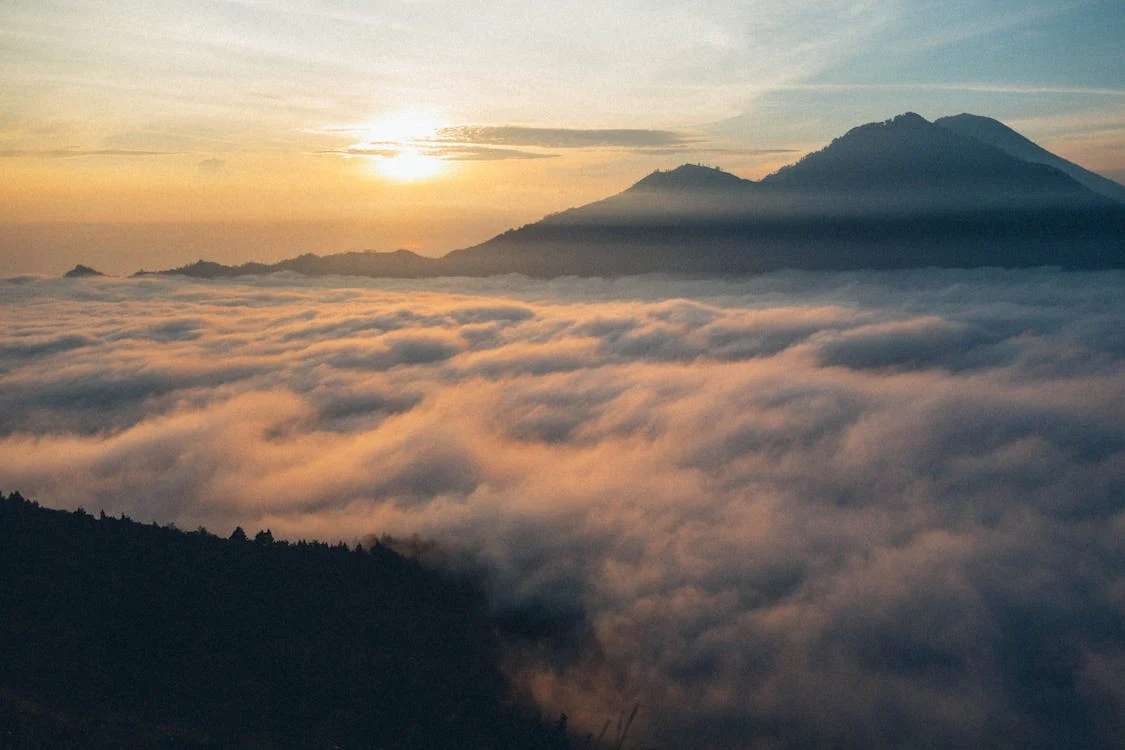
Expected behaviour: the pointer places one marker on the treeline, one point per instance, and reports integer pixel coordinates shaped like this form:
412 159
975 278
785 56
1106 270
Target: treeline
115 633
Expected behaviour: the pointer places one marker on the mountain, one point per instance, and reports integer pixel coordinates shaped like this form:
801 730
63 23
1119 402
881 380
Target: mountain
80 271
996 133
910 164
397 264
692 178
902 193
690 191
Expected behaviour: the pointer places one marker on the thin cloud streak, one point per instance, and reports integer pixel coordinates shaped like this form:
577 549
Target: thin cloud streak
483 153
994 88
67 153
447 153
510 135
502 142
976 28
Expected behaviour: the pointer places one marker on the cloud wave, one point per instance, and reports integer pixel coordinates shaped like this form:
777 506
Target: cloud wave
800 510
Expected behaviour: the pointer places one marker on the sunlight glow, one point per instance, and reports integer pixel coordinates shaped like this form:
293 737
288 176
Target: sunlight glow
409 165
399 132
401 126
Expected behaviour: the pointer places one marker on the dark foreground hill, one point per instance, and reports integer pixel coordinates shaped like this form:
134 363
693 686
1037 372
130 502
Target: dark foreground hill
904 193
119 634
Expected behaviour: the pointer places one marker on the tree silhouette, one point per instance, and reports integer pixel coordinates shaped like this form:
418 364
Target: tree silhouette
119 634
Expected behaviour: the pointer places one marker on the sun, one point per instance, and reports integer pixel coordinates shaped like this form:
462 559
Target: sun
402 137
409 165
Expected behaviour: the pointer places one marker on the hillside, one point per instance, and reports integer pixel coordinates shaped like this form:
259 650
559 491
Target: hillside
119 634
995 133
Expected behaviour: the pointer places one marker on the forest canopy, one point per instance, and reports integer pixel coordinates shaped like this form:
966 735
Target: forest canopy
116 633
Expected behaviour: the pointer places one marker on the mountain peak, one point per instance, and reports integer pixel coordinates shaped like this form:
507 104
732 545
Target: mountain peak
907 119
891 153
967 117
691 177
909 162
899 126
908 124
81 271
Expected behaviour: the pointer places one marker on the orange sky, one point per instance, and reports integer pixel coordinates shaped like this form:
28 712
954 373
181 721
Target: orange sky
235 130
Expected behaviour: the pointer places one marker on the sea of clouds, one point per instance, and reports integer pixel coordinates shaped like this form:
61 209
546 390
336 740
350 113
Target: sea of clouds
800 510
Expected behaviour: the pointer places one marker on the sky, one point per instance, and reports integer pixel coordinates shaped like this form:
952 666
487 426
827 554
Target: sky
799 510
869 509
148 133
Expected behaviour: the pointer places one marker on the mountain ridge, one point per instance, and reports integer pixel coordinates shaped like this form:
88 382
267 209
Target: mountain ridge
901 193
996 133
908 161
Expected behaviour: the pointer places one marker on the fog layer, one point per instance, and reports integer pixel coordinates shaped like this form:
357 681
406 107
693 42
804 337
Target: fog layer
798 510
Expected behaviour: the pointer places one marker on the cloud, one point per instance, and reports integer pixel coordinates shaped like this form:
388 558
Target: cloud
183 329
732 151
455 152
483 153
387 151
917 343
500 142
342 411
492 313
39 346
986 88
511 135
212 166
795 510
391 352
71 153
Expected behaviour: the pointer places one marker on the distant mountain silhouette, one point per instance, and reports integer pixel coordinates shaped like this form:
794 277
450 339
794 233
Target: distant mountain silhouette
397 264
81 271
910 164
692 178
903 193
996 133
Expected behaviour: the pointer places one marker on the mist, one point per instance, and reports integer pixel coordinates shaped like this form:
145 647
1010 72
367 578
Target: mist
865 509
